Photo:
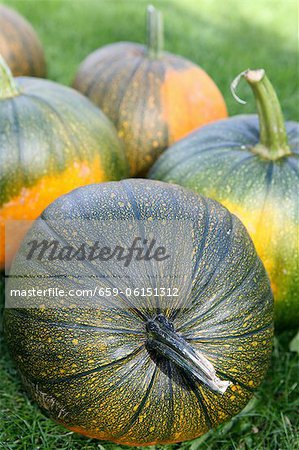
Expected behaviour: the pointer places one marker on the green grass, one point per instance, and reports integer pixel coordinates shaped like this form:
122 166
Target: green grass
224 38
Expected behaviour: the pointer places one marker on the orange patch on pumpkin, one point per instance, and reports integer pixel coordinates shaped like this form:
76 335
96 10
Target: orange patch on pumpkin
31 201
103 436
190 100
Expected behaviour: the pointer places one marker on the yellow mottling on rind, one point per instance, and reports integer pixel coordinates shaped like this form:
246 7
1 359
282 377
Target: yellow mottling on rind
275 237
33 200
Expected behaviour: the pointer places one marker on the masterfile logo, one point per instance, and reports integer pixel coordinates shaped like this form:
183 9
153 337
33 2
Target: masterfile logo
140 250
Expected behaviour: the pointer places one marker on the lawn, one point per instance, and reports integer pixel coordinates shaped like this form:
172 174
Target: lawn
224 38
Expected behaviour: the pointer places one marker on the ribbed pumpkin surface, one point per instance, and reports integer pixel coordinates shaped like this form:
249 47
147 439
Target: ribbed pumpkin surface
222 161
19 45
264 194
153 99
91 369
52 140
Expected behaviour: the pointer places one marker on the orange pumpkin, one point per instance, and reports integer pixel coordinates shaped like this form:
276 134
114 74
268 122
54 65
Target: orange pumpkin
153 97
19 45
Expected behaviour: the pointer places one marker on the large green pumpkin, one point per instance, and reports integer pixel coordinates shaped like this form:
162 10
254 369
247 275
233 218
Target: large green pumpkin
147 370
52 140
251 165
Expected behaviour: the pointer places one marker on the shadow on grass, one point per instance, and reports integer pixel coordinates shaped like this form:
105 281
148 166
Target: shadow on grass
234 44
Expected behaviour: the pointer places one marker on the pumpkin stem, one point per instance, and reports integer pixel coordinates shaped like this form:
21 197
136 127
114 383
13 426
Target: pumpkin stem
154 32
273 137
8 87
163 339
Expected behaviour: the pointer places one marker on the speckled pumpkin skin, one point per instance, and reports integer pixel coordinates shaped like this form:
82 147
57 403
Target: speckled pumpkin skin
152 101
52 140
19 45
217 161
91 370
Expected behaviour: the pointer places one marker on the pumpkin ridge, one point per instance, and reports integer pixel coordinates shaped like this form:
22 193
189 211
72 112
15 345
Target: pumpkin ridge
219 352
162 368
249 273
138 66
180 163
105 97
99 69
164 340
268 184
169 365
77 325
166 134
134 312
185 90
43 133
8 86
114 386
273 138
129 192
123 94
194 387
235 336
222 408
16 124
223 255
65 126
92 82
179 378
140 407
250 389
294 168
89 372
212 275
170 410
192 100
142 130
233 169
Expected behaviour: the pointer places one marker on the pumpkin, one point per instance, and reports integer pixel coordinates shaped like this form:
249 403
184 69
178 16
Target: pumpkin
19 45
250 164
142 369
153 97
52 139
